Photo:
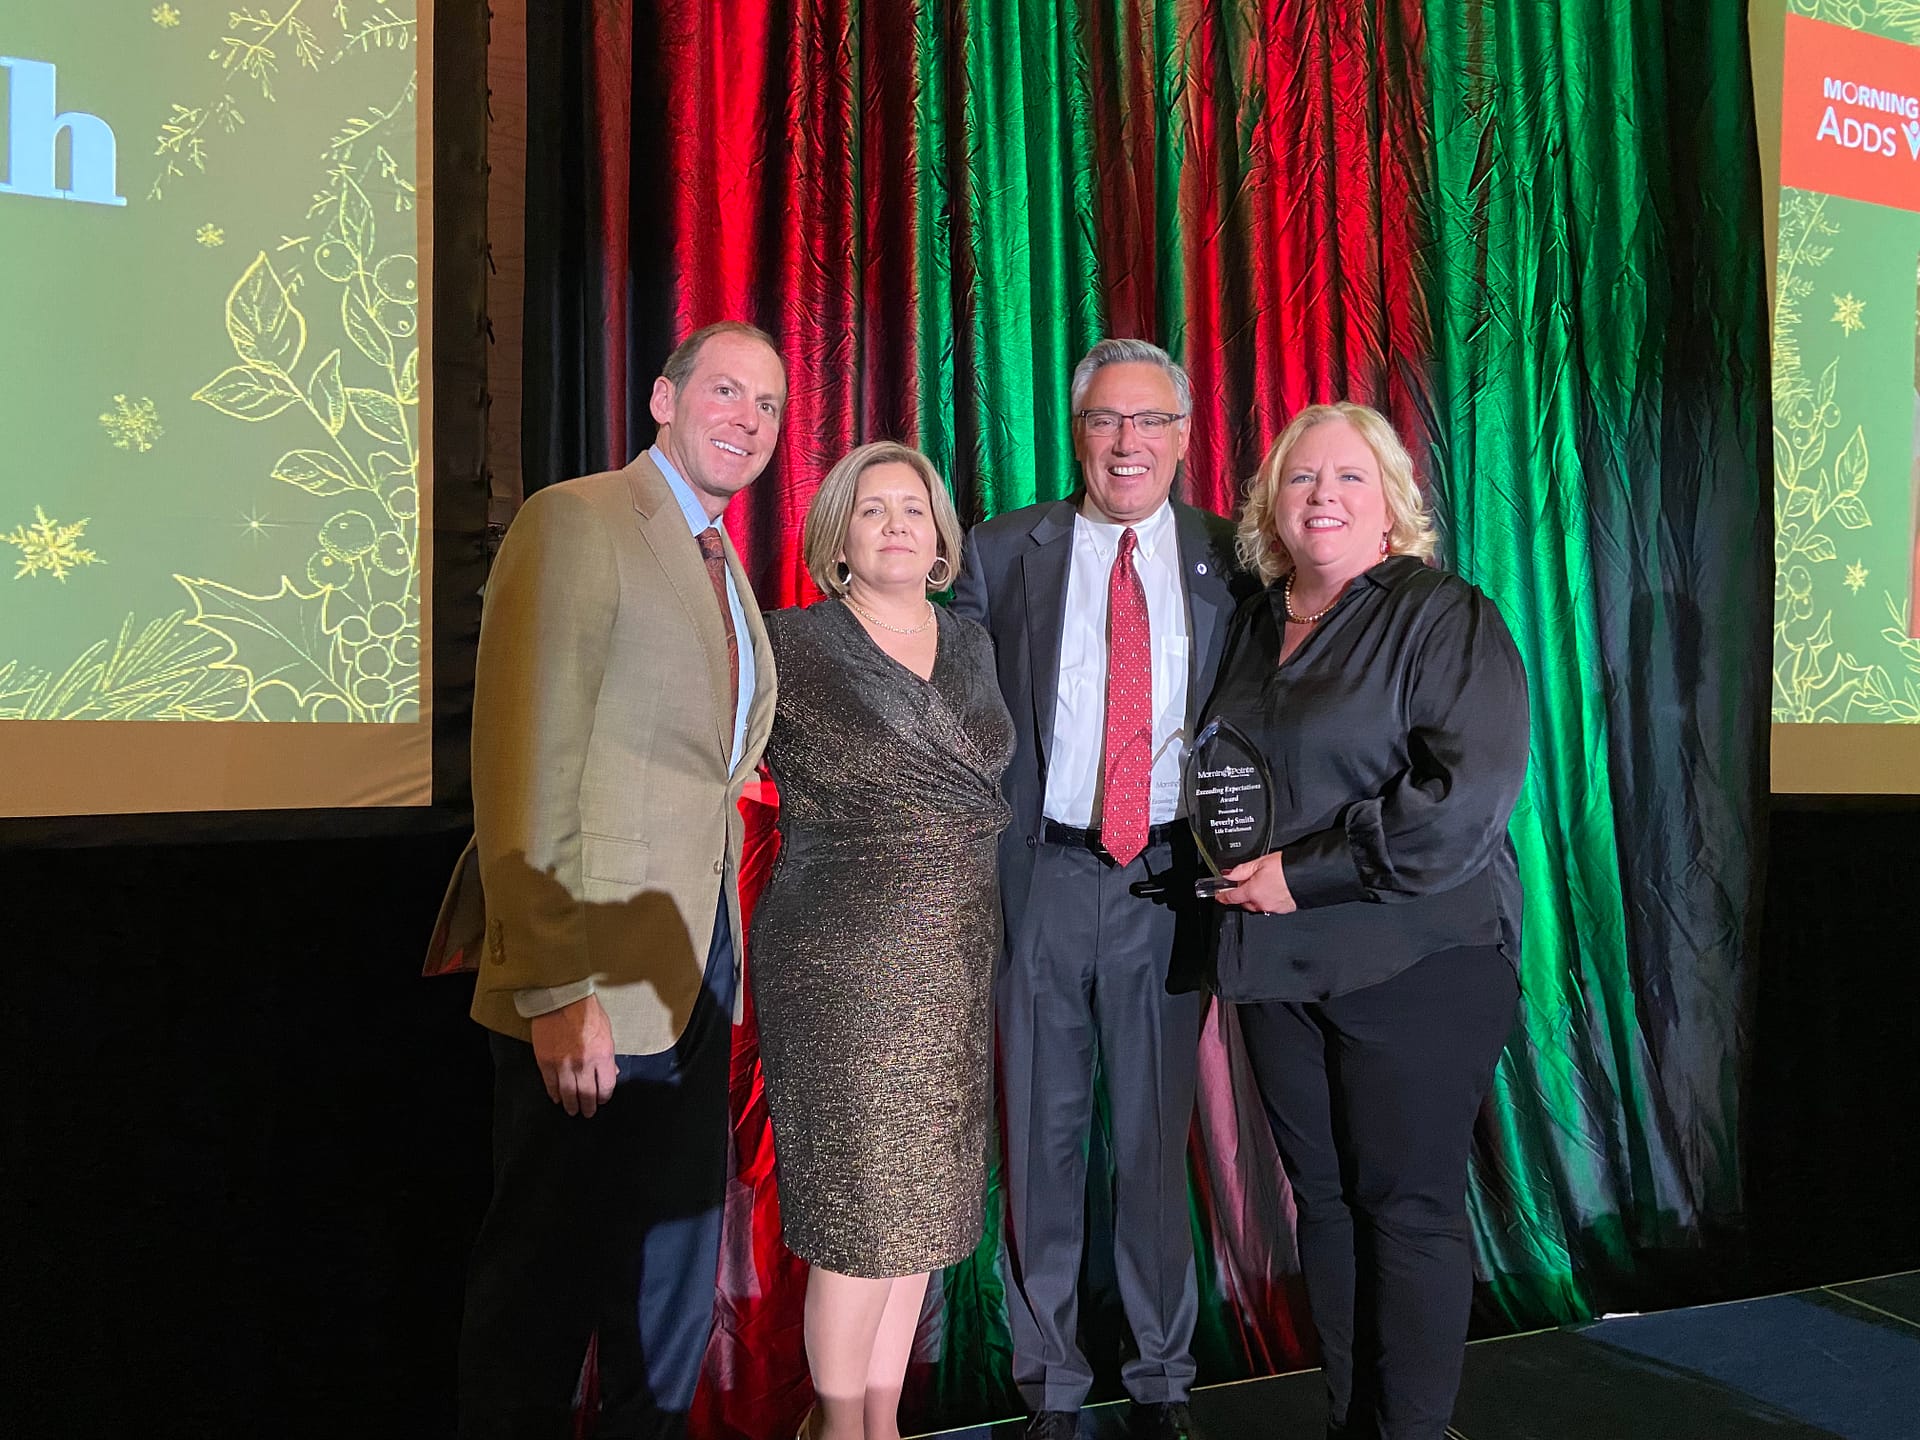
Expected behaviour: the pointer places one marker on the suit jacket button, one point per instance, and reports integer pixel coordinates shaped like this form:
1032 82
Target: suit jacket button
720 867
1032 841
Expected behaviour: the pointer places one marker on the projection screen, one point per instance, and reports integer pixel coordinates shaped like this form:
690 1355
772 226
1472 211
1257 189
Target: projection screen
214 489
1837 89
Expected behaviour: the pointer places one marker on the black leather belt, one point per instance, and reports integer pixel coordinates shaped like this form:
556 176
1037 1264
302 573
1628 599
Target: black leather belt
1057 834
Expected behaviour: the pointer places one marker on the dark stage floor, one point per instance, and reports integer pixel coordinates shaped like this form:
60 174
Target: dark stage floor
1838 1363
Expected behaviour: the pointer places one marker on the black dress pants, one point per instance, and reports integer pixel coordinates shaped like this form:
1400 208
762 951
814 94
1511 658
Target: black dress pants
1372 1097
607 1226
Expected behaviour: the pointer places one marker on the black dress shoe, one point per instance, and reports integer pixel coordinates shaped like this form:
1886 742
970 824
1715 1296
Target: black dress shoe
1053 1425
1172 1421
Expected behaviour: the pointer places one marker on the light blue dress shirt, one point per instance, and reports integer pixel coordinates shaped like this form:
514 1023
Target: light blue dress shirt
697 520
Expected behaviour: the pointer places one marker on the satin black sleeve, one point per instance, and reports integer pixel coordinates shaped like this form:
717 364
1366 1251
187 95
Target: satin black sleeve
1441 819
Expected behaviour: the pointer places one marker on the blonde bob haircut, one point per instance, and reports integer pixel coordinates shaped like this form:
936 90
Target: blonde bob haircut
823 538
1410 528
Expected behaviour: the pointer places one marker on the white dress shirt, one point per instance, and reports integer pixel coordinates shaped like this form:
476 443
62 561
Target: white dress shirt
1074 760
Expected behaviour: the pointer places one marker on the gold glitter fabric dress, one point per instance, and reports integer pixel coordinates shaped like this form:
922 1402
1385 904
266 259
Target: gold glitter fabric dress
874 944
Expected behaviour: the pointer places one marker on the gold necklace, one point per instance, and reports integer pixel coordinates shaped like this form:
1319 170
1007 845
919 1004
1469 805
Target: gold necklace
873 619
1286 599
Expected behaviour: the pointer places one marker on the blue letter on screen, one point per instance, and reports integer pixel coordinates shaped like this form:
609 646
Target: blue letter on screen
33 139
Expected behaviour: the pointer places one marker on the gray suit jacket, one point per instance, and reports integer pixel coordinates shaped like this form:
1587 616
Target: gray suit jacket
1014 582
606 814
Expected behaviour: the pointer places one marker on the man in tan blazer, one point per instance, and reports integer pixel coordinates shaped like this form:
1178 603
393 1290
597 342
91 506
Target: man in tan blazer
623 695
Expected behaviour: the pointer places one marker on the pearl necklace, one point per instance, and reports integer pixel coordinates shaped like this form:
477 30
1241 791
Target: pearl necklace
1286 599
873 619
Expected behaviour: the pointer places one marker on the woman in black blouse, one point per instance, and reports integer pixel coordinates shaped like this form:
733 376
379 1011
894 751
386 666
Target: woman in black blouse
1374 952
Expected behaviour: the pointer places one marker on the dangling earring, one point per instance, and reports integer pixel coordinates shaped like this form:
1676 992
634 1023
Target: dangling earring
1383 544
942 567
842 574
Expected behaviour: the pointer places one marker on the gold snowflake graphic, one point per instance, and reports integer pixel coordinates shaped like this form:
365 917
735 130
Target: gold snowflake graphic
165 16
48 547
210 236
1848 313
1856 580
132 427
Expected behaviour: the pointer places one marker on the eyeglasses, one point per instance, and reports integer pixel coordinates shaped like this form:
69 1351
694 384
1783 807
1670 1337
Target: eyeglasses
1108 422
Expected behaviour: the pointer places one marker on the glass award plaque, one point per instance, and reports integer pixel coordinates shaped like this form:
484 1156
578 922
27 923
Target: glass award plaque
1229 795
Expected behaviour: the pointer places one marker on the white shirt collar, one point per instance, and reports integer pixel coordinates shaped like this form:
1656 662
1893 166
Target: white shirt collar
1104 534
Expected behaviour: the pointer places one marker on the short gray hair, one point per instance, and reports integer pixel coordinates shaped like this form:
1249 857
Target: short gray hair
1131 352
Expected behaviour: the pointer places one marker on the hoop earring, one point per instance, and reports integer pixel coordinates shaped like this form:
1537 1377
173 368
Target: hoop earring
945 568
842 574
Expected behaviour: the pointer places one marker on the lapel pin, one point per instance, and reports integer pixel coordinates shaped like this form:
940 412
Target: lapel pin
1201 568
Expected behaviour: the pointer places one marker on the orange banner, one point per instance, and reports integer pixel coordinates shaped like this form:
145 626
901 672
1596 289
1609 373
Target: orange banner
1850 115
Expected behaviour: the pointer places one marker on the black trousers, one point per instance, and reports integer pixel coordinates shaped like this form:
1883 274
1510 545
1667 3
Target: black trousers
1086 985
1372 1098
608 1225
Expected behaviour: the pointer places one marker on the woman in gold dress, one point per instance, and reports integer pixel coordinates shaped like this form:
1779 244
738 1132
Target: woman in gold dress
874 944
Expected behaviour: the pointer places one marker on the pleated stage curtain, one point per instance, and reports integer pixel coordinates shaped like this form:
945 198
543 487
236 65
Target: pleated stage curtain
1529 232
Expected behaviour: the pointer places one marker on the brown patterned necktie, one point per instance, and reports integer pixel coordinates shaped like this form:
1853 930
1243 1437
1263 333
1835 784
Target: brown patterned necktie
715 554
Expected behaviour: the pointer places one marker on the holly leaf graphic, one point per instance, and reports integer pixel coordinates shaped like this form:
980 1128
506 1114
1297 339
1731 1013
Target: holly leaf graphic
248 394
278 641
266 328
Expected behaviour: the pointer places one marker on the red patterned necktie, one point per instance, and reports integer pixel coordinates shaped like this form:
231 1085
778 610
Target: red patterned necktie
1128 767
715 555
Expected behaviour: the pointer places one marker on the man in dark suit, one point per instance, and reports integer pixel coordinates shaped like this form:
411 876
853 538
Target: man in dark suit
1108 613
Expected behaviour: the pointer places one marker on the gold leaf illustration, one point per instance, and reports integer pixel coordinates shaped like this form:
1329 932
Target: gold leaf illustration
338 639
1850 465
247 394
356 219
327 394
1806 663
314 471
1851 513
363 329
1818 547
378 413
265 325
1829 379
